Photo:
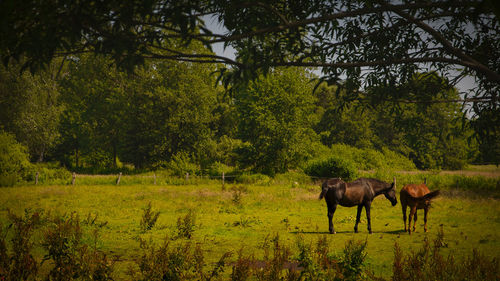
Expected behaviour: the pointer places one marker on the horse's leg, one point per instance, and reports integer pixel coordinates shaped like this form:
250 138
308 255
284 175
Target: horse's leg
426 209
358 218
367 208
414 220
331 211
403 205
413 210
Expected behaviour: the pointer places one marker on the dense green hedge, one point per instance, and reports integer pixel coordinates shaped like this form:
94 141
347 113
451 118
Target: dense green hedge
332 166
371 159
14 160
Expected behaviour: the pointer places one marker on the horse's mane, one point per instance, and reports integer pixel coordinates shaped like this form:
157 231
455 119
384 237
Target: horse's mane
387 185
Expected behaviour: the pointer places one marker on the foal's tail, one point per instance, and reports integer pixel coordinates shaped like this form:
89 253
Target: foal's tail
428 196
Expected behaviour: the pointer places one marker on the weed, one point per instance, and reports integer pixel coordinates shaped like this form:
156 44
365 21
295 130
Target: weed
185 225
149 218
353 260
242 268
71 258
20 265
429 264
92 221
273 266
237 192
180 262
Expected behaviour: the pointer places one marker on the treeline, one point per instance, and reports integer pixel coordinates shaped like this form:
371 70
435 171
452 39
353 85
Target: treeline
85 114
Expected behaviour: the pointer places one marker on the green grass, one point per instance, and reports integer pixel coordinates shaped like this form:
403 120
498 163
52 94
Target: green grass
226 221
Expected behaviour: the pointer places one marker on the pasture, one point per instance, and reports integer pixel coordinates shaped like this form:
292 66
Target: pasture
244 216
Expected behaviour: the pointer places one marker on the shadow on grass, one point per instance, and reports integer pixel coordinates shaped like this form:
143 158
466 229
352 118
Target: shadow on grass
316 232
346 231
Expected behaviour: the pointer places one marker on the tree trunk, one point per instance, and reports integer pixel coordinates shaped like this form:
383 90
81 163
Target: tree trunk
76 157
114 155
40 157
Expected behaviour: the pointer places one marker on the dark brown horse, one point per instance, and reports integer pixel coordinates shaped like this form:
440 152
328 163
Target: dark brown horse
416 196
360 192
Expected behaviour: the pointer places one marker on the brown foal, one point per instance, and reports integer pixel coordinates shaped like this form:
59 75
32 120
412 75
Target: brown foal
416 196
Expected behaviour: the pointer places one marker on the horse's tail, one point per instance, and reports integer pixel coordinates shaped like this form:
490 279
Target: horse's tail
428 196
431 195
324 190
322 194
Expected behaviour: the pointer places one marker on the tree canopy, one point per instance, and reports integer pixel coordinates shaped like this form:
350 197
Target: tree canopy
358 44
396 60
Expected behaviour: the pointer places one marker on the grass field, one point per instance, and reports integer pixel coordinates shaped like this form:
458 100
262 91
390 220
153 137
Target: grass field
245 216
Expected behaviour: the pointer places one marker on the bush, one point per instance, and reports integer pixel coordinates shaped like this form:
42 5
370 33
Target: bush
292 177
332 167
253 179
217 168
14 160
371 159
181 164
49 173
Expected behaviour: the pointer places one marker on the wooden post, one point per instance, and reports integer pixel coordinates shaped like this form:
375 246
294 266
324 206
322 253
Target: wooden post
223 188
187 177
36 178
154 176
74 179
119 178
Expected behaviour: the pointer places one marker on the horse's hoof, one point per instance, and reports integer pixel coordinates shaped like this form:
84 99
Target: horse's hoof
333 232
370 232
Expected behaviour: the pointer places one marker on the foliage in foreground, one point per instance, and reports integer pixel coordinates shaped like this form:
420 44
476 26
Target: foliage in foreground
429 263
67 257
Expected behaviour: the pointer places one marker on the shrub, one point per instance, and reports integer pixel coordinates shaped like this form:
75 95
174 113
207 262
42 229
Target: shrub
49 173
181 164
217 168
371 159
260 179
397 161
14 160
332 166
292 177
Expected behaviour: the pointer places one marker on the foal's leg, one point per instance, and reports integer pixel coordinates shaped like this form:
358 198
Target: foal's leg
413 210
426 209
331 211
358 218
367 208
415 221
404 214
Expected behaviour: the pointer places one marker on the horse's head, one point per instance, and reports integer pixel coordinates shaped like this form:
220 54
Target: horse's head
390 193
